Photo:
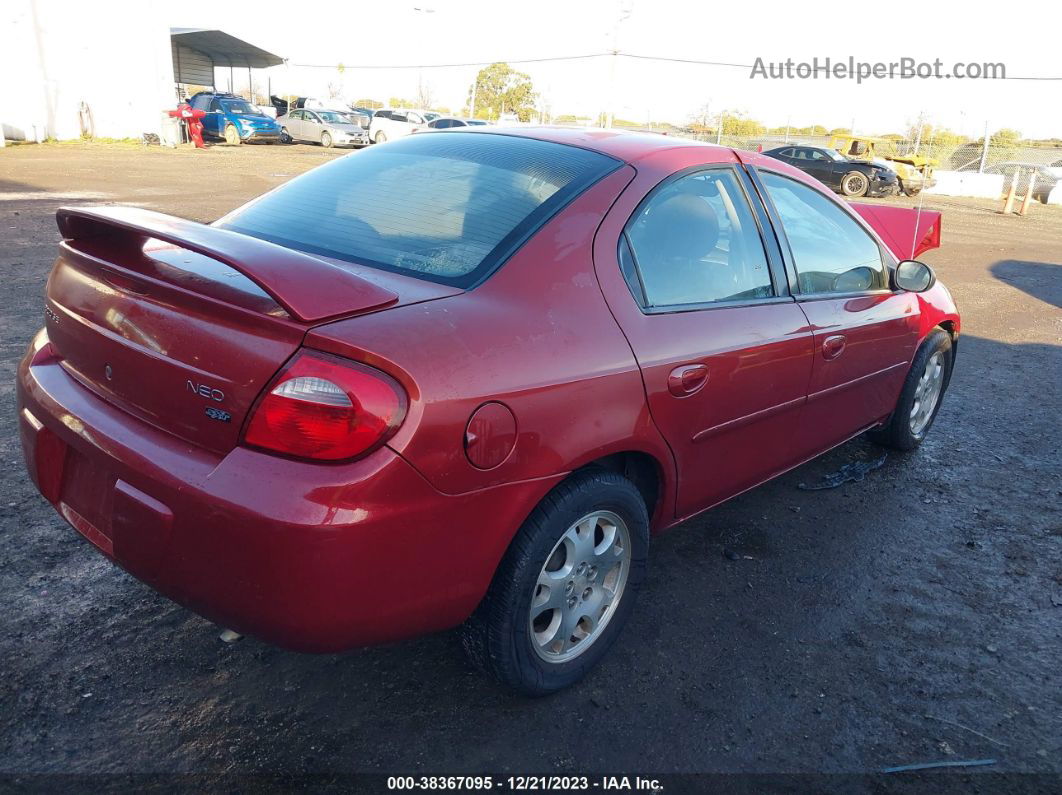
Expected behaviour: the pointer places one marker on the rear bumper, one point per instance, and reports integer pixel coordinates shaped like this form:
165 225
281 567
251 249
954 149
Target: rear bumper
310 557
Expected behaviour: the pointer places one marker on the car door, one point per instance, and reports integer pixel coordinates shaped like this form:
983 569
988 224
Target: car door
214 120
397 125
293 124
725 354
865 333
820 166
312 126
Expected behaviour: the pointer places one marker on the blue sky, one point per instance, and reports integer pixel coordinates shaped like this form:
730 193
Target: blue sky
474 30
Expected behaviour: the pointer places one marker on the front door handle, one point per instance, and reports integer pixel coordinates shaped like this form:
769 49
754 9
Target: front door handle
687 379
833 346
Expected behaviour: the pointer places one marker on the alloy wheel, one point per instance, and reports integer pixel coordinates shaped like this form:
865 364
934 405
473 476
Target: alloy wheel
927 393
580 586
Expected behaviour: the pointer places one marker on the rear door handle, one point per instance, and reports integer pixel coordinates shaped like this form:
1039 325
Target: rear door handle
687 379
833 346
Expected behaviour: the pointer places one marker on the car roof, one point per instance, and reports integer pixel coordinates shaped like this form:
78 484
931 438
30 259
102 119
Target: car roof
629 147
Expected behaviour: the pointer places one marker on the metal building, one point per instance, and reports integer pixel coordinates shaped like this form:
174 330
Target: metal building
107 68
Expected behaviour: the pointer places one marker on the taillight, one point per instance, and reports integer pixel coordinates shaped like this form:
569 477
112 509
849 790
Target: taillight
327 409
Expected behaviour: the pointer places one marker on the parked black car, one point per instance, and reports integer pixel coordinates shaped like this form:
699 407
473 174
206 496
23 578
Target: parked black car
848 177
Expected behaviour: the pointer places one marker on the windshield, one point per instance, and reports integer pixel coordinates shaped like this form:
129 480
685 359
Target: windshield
332 118
833 155
429 116
235 106
448 208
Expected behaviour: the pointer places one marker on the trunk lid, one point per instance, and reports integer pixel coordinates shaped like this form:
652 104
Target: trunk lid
183 325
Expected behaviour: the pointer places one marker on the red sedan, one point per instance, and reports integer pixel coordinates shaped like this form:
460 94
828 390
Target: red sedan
462 378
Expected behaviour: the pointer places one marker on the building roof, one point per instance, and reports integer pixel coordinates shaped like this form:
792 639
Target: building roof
223 49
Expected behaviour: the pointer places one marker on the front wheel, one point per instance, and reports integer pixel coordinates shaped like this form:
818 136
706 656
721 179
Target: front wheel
232 135
566 586
855 184
921 396
326 140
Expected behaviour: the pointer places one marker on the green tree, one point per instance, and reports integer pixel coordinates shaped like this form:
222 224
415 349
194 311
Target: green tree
367 103
501 89
1005 137
737 123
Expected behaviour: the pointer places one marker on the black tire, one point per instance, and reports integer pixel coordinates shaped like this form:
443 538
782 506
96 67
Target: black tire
326 140
855 184
285 138
897 433
497 638
912 191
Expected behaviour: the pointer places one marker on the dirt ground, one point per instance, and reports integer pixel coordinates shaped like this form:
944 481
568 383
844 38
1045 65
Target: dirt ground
913 617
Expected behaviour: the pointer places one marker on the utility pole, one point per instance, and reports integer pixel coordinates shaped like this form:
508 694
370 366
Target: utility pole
719 129
918 137
984 151
624 14
472 104
787 126
423 37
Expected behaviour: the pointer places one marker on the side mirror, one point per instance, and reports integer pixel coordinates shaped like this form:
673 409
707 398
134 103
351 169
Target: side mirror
914 276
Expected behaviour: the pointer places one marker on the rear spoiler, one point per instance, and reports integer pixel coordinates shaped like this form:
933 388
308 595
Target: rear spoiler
907 232
308 289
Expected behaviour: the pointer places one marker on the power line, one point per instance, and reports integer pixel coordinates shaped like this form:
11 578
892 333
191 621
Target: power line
451 65
588 56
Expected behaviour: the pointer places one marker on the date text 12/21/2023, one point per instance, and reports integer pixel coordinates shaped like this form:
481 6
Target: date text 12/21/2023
526 783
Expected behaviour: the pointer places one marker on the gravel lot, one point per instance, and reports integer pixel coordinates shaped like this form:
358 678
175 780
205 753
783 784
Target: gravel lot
913 617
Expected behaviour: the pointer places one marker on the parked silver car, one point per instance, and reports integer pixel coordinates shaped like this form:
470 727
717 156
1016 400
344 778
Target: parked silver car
326 127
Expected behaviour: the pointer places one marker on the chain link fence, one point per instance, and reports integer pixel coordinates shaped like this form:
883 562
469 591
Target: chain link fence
950 155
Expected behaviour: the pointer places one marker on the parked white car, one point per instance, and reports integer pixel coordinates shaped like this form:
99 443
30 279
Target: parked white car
390 123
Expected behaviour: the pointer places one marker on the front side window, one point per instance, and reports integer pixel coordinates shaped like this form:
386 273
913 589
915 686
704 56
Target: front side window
448 208
696 241
832 253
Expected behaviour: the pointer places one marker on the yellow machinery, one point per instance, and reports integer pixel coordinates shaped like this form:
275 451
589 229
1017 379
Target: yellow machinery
915 172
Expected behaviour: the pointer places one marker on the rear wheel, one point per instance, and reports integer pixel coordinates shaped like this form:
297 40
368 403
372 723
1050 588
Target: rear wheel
566 586
921 396
326 140
232 135
381 137
855 184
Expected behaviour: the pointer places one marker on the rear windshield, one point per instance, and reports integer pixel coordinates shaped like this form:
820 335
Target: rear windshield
448 207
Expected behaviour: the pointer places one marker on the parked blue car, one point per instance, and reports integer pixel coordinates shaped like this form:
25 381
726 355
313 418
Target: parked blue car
234 119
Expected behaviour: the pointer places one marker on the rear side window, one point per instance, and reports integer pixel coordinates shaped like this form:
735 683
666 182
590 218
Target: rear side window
448 208
696 241
831 251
